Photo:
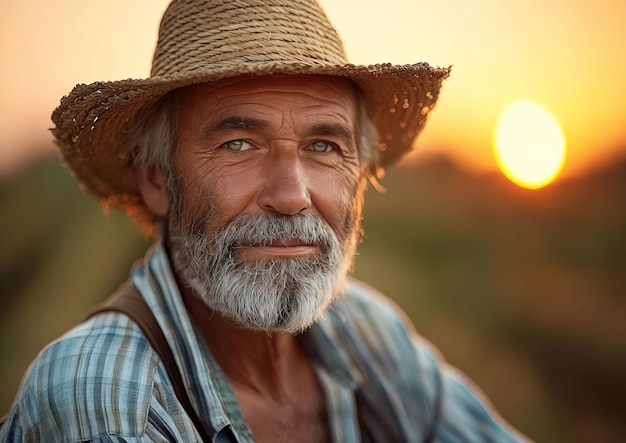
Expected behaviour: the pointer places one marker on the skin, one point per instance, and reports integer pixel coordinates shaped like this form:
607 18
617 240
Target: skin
249 146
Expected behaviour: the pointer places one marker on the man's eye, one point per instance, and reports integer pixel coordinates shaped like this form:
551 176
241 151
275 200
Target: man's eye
321 146
236 145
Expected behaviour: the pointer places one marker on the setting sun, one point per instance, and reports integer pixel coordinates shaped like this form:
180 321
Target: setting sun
529 144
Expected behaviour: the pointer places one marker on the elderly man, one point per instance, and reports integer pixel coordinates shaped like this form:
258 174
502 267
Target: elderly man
247 153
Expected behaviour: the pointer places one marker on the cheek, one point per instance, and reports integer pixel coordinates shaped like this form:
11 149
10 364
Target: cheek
224 193
234 189
338 197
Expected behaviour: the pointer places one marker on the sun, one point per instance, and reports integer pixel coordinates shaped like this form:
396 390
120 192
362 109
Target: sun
529 144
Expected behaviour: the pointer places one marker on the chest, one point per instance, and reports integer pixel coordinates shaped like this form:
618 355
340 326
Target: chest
303 422
297 414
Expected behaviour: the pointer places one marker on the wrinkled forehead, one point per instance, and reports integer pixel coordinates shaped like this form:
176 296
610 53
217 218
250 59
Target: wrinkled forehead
336 90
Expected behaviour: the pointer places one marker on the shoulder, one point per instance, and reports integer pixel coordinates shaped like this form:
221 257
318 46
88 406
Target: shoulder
380 332
381 339
363 300
364 310
96 379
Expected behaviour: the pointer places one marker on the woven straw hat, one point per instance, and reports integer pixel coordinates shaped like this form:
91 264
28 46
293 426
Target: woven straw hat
207 40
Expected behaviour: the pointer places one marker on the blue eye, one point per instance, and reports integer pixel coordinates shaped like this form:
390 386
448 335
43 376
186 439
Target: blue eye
234 145
321 146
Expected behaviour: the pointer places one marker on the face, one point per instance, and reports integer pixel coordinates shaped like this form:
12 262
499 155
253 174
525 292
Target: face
269 190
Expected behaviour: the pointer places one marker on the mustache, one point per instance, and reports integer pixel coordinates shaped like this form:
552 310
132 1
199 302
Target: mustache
262 230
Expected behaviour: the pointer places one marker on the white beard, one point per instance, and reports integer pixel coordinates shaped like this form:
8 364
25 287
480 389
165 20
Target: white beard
286 295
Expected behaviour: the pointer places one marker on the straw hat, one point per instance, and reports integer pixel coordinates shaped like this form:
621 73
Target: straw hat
207 40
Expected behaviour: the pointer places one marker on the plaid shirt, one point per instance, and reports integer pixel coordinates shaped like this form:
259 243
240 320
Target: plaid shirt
102 381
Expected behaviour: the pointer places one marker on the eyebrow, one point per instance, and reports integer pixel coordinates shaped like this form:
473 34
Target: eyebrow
232 122
240 122
334 129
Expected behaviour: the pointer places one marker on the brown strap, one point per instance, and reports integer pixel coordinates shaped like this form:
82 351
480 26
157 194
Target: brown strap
128 301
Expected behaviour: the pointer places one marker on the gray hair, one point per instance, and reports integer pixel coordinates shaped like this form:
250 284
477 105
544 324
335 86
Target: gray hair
152 138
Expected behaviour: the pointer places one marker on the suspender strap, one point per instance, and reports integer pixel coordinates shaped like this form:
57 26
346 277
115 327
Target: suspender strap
128 301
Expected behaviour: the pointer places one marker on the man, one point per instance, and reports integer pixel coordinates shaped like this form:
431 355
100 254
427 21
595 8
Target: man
247 153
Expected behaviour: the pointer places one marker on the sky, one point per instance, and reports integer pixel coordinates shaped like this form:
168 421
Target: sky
567 56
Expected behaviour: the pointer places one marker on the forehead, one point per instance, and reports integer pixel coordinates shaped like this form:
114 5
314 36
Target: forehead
315 92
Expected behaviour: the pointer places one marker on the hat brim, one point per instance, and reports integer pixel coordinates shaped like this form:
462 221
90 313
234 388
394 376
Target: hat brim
92 122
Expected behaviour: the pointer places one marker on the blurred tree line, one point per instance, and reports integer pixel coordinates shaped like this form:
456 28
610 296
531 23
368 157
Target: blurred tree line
523 290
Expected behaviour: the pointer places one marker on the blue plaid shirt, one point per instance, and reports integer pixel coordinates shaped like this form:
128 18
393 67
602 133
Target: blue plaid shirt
102 382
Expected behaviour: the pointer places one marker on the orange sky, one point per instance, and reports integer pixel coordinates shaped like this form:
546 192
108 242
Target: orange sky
568 56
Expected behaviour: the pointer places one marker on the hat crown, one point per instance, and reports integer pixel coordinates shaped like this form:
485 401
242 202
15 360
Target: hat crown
224 35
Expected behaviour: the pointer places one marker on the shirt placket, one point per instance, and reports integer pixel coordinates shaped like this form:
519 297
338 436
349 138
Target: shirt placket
340 408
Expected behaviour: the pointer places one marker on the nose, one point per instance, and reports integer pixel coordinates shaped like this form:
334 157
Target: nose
285 185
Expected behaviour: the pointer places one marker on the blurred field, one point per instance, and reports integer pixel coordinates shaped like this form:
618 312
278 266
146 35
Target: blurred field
523 290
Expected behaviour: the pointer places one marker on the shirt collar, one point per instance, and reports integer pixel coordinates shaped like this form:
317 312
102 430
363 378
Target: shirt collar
321 342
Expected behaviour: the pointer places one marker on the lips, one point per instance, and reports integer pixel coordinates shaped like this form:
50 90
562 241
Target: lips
277 249
287 244
293 243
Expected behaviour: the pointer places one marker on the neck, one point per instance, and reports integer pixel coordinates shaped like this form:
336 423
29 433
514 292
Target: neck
273 380
256 360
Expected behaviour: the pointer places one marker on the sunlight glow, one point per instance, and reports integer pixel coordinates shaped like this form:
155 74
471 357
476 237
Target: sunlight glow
529 144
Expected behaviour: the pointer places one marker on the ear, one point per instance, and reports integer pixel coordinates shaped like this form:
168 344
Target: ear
153 189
